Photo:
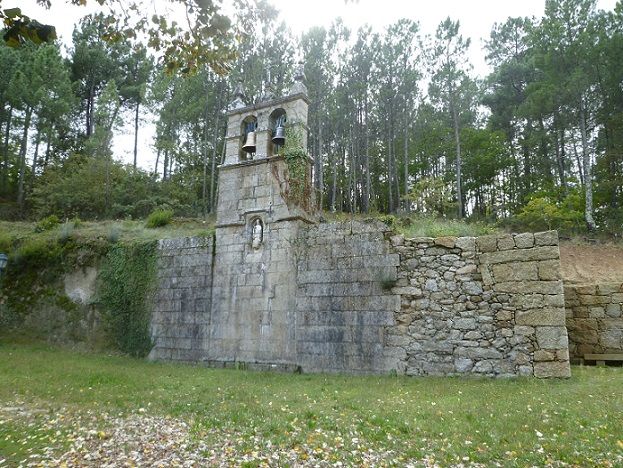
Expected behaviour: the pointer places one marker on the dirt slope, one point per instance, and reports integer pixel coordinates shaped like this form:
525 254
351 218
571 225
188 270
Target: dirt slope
582 263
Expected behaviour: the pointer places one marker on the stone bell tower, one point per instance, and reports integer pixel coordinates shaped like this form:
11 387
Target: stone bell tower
254 287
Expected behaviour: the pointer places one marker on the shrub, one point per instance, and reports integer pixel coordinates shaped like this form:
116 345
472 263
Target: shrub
541 213
159 218
47 223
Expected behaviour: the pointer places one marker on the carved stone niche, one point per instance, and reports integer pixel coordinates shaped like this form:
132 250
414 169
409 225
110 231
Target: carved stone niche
257 233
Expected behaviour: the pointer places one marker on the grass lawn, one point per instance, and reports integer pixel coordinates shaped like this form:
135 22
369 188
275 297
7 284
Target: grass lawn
55 401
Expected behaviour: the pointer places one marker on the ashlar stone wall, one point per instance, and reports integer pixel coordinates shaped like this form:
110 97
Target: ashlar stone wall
594 319
344 303
180 319
492 305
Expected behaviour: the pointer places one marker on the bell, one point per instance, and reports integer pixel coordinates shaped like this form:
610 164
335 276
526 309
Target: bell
279 137
249 144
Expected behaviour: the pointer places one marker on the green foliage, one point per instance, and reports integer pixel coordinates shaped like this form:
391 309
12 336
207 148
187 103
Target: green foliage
298 174
542 213
126 283
159 218
427 226
433 196
47 223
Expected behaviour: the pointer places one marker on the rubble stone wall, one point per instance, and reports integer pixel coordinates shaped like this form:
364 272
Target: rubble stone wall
491 305
594 319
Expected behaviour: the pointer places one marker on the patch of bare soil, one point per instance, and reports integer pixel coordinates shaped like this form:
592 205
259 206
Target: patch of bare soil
583 263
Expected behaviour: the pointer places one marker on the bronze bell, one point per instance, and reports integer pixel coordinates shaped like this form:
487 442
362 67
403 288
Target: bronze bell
279 135
249 144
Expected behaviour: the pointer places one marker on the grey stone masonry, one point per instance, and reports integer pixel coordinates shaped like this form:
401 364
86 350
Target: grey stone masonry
594 319
181 309
344 303
491 306
353 297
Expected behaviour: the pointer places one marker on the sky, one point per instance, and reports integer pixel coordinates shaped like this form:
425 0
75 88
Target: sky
476 18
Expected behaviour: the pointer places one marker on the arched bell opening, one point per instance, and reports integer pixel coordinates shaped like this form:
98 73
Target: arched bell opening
248 132
277 121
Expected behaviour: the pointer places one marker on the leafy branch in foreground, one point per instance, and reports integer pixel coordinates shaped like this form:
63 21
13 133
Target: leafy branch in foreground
207 38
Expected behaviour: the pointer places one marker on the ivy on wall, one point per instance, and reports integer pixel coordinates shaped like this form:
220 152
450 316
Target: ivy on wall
127 281
298 190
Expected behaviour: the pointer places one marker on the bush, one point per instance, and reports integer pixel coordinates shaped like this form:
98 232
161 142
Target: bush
159 218
47 223
541 213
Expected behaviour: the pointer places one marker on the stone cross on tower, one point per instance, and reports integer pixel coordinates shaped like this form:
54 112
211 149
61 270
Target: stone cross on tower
257 226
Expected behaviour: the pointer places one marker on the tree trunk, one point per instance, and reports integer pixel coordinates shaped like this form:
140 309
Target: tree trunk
334 185
22 161
406 168
367 186
35 157
48 143
5 153
457 140
560 159
586 164
136 133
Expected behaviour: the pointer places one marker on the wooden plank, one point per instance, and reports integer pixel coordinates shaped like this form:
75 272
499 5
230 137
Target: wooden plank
603 357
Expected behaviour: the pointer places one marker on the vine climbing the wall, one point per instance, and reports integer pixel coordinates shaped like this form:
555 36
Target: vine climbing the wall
297 187
127 282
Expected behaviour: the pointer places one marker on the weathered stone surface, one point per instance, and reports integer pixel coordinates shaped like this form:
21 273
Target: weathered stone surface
515 271
448 241
487 243
506 242
554 369
524 241
549 270
467 244
546 238
552 316
551 337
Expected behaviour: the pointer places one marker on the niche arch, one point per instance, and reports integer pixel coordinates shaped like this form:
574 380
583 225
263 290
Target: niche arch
278 116
248 125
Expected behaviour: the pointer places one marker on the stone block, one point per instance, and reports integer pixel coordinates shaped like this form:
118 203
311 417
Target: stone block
448 241
542 355
546 238
593 300
613 310
524 241
463 365
467 244
611 339
552 337
554 369
596 312
589 289
472 288
519 255
549 316
467 269
549 270
515 271
505 242
529 287
465 324
607 289
487 243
